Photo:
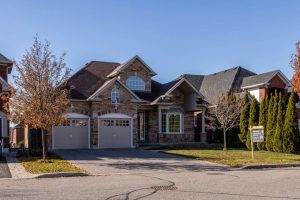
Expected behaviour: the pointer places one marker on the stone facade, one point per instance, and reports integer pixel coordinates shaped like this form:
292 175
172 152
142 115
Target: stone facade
129 105
136 69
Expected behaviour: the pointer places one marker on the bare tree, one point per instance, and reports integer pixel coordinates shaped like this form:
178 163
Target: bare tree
40 98
226 114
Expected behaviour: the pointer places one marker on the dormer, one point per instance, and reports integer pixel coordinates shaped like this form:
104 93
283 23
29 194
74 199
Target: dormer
135 74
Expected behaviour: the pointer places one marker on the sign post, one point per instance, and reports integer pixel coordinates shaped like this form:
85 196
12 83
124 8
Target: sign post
257 135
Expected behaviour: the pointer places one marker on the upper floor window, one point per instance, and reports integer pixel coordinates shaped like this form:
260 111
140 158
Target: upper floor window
115 96
135 83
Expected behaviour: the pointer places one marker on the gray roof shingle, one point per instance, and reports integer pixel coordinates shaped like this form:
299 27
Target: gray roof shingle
212 86
88 79
258 79
157 89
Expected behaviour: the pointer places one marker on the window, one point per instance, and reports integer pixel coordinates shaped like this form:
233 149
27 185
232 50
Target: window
115 96
107 122
135 83
174 123
171 122
122 122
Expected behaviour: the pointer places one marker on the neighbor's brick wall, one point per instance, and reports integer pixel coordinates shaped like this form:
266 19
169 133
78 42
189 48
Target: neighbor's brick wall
276 82
262 93
136 68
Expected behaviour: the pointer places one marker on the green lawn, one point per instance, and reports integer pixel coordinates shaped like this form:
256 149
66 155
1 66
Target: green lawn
237 157
54 163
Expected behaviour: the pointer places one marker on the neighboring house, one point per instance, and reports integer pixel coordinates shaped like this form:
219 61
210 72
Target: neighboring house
237 80
5 69
117 105
17 136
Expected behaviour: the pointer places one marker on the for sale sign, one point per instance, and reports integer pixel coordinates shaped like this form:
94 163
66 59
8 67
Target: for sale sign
257 133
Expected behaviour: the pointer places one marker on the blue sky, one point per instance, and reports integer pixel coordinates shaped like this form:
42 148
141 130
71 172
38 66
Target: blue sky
172 36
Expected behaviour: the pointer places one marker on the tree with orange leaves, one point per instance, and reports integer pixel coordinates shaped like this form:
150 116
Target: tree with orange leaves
295 64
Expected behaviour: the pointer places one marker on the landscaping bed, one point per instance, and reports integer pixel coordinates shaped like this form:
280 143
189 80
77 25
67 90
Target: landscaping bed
54 164
236 157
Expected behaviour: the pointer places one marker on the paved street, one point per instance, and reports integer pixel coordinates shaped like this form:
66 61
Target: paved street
256 184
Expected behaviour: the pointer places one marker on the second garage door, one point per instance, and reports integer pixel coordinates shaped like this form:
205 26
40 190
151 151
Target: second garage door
115 133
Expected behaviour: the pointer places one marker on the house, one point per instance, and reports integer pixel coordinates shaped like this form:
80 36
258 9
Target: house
5 69
17 136
118 105
237 80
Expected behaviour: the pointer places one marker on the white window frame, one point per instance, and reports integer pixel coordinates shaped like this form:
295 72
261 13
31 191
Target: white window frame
135 83
168 113
116 92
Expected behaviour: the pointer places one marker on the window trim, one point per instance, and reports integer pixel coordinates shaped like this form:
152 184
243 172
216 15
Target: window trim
135 78
168 113
115 91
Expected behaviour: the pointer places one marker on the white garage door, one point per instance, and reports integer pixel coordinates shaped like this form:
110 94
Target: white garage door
74 135
115 133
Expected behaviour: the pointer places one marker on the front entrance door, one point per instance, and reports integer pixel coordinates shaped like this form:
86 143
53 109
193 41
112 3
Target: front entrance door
198 127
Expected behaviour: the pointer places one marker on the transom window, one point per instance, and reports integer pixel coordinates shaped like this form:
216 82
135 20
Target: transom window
171 122
115 96
135 83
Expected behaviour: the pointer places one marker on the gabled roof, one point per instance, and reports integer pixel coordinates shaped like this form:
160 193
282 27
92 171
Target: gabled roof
127 63
168 88
261 79
212 86
3 59
88 79
109 83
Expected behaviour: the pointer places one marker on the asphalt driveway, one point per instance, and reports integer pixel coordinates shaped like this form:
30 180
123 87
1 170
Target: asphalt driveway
133 161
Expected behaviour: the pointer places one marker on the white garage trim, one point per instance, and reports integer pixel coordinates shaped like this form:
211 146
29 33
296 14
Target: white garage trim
115 116
77 116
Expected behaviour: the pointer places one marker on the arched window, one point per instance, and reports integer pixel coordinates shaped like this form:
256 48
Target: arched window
135 83
115 96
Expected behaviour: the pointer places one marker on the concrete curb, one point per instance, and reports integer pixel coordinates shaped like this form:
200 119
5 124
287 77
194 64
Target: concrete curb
269 166
61 174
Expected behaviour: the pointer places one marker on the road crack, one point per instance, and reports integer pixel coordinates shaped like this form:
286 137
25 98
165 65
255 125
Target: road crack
152 190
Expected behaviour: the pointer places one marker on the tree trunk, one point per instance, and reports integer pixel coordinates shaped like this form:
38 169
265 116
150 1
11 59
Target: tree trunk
225 143
44 146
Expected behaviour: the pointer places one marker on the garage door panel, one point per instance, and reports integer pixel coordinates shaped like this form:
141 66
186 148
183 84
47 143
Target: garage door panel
115 133
70 137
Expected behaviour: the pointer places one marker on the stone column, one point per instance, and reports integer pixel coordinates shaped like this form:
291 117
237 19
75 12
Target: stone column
203 134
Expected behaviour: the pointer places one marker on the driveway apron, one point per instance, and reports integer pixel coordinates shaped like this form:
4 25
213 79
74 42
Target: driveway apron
133 161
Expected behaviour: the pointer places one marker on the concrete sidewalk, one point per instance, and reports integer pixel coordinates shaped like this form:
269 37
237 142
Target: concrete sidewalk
16 169
4 170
